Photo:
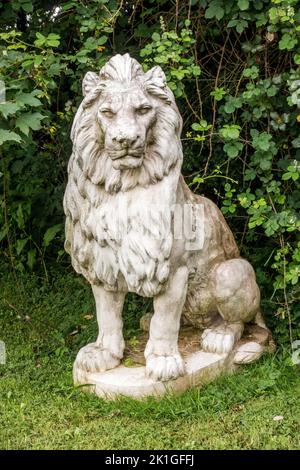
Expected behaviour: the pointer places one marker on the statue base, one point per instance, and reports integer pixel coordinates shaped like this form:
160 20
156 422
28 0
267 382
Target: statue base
201 368
129 378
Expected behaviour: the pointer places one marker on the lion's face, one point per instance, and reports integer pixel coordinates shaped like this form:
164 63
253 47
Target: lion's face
125 114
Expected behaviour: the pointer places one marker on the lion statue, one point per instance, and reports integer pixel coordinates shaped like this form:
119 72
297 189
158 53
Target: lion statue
122 201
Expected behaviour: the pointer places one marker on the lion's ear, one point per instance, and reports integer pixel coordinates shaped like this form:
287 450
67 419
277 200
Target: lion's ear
156 83
156 76
90 81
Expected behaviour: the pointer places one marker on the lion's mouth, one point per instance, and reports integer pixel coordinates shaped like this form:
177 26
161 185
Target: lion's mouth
127 152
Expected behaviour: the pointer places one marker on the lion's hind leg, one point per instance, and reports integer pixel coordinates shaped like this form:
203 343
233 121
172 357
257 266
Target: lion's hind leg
237 298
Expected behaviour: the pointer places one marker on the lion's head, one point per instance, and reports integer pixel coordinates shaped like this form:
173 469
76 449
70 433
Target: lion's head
127 130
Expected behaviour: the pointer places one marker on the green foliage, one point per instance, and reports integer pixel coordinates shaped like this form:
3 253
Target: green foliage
218 94
234 69
36 113
230 131
173 52
233 148
201 126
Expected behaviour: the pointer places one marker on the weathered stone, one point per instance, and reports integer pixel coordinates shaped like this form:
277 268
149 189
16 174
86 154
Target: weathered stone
145 321
133 225
200 368
130 378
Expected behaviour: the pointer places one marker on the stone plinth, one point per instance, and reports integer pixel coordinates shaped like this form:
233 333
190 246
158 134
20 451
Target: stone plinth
129 379
201 368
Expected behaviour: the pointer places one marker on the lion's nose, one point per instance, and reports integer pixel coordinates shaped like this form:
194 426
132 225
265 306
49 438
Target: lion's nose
126 141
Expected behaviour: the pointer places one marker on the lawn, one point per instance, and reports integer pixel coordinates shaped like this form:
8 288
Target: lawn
45 323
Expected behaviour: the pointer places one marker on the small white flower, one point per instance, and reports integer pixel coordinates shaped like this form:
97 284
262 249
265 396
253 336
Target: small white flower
278 418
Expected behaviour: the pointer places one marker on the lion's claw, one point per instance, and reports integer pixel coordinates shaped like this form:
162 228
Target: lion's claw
164 367
92 358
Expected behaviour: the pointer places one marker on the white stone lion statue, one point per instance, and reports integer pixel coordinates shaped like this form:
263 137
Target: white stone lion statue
122 200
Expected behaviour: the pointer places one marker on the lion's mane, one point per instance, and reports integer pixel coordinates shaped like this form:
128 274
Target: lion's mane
95 192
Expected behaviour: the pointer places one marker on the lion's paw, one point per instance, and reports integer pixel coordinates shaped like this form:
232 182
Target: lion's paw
221 340
248 352
92 358
164 368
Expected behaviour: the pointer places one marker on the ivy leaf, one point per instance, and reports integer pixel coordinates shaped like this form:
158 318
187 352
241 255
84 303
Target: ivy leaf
8 108
292 173
28 121
243 4
29 99
233 149
54 69
27 6
271 226
156 37
257 113
250 174
232 104
265 164
102 40
239 25
230 131
196 70
6 136
297 59
272 90
287 42
215 10
251 72
296 143
262 141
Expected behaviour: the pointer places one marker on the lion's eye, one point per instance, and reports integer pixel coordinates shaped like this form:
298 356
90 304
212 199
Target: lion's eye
143 109
107 112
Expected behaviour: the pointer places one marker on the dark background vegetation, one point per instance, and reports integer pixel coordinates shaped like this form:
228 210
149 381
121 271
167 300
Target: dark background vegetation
233 66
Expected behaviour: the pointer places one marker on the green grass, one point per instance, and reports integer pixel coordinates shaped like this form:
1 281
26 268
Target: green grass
44 325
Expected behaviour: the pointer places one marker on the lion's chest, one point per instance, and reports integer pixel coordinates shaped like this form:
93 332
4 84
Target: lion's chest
131 242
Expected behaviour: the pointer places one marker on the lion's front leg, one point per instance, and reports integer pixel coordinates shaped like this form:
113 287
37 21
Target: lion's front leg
163 360
107 351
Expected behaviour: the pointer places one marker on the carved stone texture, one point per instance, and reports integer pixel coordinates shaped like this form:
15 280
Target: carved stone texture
133 225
